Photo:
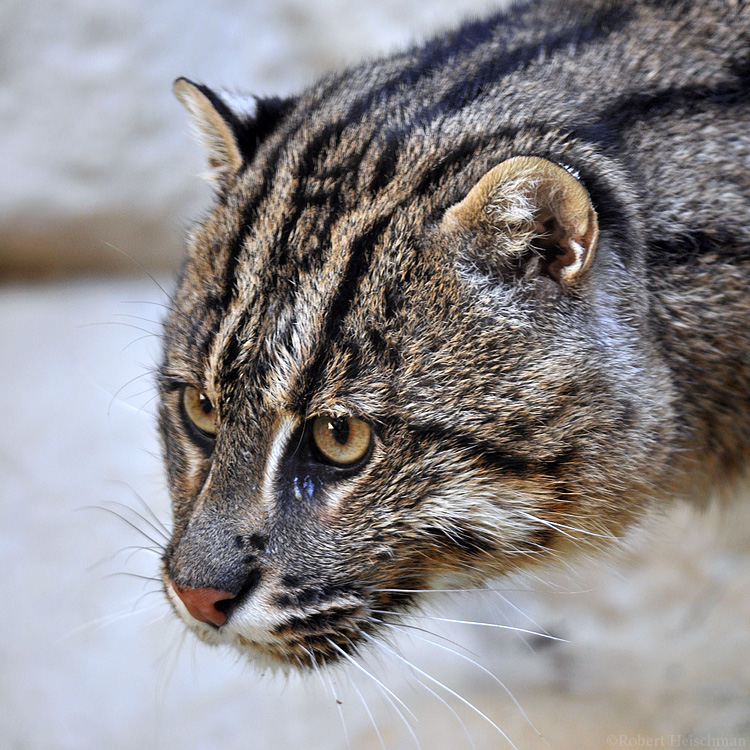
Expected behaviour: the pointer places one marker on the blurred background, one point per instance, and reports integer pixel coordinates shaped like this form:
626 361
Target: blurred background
98 183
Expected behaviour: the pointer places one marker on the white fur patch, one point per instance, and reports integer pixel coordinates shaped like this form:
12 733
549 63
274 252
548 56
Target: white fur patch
244 106
284 432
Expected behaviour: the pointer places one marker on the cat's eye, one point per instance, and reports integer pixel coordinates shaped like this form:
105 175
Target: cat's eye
199 410
341 441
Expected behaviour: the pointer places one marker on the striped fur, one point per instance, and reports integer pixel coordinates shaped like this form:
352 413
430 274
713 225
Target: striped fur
514 415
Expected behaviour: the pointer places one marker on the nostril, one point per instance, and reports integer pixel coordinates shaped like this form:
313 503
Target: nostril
226 606
206 604
212 605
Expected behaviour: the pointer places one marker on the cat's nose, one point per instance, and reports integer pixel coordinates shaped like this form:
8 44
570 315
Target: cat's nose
205 604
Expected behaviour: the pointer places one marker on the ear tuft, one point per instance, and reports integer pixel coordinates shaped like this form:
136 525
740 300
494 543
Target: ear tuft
530 213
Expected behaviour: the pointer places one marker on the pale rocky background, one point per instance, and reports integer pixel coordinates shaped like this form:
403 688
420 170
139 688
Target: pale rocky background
95 156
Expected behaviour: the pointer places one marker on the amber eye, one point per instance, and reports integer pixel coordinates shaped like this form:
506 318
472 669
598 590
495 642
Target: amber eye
200 410
341 441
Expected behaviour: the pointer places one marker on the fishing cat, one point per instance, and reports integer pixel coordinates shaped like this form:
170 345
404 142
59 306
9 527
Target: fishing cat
455 312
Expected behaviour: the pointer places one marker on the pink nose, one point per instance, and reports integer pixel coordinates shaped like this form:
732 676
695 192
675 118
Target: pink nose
201 603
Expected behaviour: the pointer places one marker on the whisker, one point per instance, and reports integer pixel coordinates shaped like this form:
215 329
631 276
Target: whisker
457 590
388 694
367 709
159 592
480 624
161 617
146 507
147 373
341 711
490 674
410 627
447 689
564 528
128 574
316 667
133 549
106 620
145 302
149 402
136 340
119 323
123 519
142 268
516 608
169 660
105 392
154 525
443 701
137 317
351 660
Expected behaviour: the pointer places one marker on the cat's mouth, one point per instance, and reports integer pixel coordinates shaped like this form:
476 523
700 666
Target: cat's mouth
303 642
296 637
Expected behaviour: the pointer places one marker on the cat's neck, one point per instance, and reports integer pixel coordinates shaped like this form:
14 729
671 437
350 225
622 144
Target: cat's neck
701 318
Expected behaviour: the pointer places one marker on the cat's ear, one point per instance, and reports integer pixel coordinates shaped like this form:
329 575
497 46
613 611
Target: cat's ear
528 216
229 125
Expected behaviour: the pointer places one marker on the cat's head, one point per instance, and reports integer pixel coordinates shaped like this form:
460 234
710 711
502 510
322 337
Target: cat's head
394 360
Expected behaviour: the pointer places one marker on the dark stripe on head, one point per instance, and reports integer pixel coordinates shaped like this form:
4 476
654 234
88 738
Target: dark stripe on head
611 123
360 256
493 457
499 65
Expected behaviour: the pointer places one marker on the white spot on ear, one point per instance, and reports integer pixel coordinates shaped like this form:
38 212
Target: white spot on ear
244 106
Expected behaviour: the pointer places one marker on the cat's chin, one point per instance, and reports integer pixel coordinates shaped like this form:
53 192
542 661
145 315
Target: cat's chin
291 654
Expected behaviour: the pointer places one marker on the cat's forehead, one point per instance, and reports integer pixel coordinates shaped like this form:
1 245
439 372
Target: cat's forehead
294 278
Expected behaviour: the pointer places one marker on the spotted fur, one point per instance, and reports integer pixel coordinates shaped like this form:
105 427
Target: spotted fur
516 412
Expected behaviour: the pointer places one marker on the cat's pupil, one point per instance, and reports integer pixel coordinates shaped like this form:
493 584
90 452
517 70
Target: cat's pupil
339 429
205 404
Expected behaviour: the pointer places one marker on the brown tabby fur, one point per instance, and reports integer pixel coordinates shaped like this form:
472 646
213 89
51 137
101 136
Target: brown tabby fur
516 411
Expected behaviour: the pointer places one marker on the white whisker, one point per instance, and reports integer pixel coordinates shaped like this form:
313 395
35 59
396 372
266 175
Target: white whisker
442 700
387 693
479 624
107 619
448 690
341 712
367 709
490 674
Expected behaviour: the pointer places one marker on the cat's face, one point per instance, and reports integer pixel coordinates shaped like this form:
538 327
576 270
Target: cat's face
369 390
